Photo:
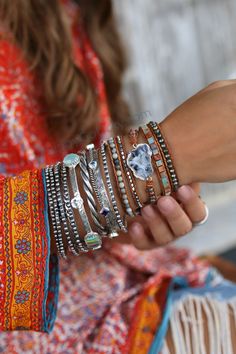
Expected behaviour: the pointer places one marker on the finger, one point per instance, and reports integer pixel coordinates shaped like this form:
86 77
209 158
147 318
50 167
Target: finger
196 187
140 239
192 204
177 219
158 227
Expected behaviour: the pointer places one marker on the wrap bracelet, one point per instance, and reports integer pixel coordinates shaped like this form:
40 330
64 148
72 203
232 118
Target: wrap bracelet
122 224
159 164
165 150
140 163
114 155
129 175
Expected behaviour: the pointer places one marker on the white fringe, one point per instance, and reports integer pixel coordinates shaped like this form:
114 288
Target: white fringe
191 317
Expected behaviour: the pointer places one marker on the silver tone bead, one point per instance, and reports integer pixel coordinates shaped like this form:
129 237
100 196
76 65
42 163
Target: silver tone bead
77 202
120 223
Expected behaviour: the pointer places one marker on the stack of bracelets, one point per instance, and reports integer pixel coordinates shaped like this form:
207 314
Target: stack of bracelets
67 208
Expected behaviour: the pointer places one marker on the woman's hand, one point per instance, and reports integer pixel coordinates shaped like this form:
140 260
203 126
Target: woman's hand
202 135
168 220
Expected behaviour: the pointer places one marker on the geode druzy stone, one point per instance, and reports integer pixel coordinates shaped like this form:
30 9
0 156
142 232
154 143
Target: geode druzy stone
140 162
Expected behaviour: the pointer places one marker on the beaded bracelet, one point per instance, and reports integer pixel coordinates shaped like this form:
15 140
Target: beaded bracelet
140 163
158 161
92 239
62 211
119 177
119 144
121 224
165 150
100 191
52 201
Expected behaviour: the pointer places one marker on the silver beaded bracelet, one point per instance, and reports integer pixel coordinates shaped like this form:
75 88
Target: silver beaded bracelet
63 216
53 209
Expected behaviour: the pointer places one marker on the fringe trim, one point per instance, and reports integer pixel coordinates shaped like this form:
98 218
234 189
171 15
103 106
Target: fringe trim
202 325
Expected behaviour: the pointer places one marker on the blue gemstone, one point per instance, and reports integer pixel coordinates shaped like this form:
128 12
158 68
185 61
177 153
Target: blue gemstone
139 161
104 211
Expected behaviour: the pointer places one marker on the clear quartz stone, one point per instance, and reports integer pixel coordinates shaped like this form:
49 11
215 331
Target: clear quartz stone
139 161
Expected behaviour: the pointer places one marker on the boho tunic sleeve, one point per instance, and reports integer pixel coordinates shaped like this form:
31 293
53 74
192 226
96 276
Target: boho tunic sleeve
28 273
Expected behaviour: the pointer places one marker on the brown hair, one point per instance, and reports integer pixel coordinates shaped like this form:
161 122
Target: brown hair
39 28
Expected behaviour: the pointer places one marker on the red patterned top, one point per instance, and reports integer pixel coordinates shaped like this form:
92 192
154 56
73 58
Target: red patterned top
98 291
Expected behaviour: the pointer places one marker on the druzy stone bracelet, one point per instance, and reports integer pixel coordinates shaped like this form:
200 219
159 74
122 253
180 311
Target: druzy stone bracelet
140 163
119 177
158 161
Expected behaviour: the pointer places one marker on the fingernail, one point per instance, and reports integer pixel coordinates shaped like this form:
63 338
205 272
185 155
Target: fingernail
166 205
185 192
136 229
148 212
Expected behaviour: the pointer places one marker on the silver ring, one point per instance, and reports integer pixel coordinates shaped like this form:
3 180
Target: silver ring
200 223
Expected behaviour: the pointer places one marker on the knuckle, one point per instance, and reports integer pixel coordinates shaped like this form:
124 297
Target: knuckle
218 83
186 231
140 245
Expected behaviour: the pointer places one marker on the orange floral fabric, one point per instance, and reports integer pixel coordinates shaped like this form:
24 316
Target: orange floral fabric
24 253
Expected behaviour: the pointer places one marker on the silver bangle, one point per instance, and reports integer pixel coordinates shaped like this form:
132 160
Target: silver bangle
64 219
84 171
80 244
92 239
100 191
120 223
53 208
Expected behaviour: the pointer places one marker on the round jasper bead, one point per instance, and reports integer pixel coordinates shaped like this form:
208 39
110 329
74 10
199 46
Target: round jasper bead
93 241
